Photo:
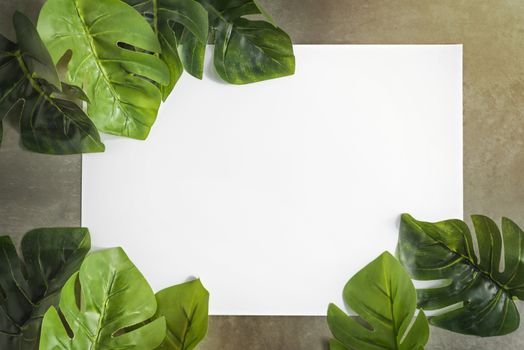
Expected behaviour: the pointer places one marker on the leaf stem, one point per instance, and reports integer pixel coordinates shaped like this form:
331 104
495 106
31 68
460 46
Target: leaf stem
29 77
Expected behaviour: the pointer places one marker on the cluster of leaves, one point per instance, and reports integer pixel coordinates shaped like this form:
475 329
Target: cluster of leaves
123 59
28 287
51 119
474 293
59 297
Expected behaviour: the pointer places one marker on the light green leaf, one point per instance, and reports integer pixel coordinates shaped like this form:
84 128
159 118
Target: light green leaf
384 297
107 305
112 60
247 51
479 291
182 29
30 286
50 120
185 308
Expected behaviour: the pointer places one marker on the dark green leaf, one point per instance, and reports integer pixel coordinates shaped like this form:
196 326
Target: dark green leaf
477 288
29 287
248 51
112 60
192 52
178 51
10 78
34 52
72 91
107 305
230 9
50 121
185 308
383 296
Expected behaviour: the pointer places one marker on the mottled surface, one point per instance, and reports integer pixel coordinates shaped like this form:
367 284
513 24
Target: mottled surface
44 191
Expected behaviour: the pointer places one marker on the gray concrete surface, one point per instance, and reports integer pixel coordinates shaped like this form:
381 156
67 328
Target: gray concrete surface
40 190
35 190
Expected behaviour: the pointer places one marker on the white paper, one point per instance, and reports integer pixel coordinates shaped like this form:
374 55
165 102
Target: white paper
276 193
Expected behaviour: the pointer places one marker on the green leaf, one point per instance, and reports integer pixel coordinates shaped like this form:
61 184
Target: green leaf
185 308
336 345
34 52
112 59
10 78
182 29
248 51
192 53
264 13
384 297
477 288
50 121
108 304
30 286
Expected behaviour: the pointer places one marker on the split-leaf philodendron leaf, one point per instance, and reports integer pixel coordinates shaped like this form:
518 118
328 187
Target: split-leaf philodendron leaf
182 30
50 120
112 58
107 305
479 288
384 297
185 308
29 287
247 50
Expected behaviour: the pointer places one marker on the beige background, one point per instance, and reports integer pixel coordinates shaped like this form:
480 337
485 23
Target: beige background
40 190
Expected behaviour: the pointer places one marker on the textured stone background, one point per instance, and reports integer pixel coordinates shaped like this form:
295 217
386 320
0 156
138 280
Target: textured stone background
40 190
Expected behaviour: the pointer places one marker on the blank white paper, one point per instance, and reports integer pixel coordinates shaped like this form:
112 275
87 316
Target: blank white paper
276 193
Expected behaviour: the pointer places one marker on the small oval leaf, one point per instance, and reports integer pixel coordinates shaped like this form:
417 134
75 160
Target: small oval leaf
185 308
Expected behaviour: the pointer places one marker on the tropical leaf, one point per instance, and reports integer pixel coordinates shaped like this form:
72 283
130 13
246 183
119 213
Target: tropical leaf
247 50
50 120
384 297
30 286
113 59
182 29
108 304
479 289
336 345
185 308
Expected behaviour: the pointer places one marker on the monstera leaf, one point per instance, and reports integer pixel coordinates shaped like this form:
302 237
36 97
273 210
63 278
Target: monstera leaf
50 120
185 308
113 60
247 50
384 297
478 288
106 305
182 29
30 286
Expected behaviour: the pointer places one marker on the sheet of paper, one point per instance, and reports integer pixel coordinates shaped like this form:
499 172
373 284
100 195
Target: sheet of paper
276 193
